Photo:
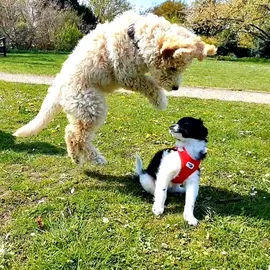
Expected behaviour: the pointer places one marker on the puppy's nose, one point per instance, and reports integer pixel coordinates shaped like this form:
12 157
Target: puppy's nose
174 128
175 88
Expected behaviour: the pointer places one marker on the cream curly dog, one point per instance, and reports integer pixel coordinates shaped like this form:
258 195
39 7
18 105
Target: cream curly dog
116 55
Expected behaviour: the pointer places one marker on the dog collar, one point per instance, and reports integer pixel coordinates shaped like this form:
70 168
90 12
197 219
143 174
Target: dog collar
131 34
189 166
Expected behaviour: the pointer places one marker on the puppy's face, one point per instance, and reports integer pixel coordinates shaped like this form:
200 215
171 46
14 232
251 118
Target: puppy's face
189 128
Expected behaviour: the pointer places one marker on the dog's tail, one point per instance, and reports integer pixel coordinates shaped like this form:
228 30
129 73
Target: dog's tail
49 108
139 165
146 180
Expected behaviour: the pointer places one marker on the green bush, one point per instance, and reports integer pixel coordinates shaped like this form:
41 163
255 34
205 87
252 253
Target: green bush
67 37
262 48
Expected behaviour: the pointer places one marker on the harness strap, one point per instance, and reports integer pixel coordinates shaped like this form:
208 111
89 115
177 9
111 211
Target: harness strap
189 166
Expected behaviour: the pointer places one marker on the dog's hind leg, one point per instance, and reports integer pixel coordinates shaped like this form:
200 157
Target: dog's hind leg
147 183
86 111
79 136
146 180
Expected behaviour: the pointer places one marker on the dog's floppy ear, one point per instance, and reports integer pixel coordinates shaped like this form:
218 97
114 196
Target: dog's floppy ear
202 50
210 49
169 47
174 47
186 48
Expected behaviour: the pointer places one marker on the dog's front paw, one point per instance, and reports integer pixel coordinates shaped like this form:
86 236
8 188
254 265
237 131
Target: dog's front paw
158 210
162 101
100 160
159 99
191 220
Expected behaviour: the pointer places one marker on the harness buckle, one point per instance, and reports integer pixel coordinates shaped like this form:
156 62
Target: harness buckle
190 165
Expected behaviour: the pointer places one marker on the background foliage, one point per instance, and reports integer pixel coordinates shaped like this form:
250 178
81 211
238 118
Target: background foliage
107 10
174 11
34 24
238 28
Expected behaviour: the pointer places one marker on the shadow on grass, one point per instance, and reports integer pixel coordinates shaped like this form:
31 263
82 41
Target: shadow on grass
214 200
211 201
127 184
7 142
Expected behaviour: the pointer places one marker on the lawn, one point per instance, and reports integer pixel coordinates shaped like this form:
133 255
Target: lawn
235 75
56 215
229 74
32 63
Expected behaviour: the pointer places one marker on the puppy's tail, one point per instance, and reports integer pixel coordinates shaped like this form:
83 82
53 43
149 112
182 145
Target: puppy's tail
139 165
49 108
146 180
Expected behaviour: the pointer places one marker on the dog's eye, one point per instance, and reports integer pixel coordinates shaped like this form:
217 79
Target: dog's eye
172 69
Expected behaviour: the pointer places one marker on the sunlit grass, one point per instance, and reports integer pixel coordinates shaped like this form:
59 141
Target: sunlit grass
229 74
235 75
32 63
55 215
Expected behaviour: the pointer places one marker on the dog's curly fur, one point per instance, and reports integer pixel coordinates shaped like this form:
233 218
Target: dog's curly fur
116 55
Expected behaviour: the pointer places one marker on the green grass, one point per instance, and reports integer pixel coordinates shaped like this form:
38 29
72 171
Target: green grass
210 73
99 217
229 74
32 63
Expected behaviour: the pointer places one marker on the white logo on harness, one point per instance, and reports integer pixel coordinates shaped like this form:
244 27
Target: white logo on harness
190 165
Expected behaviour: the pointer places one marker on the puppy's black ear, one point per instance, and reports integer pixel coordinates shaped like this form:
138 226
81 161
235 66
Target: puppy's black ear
205 131
183 132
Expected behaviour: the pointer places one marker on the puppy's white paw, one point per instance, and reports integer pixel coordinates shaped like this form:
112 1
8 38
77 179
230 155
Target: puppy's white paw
157 210
191 220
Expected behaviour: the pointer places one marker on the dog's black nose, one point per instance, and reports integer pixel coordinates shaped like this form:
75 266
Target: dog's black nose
174 128
175 88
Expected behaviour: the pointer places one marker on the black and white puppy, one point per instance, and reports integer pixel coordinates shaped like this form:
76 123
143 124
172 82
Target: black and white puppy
177 169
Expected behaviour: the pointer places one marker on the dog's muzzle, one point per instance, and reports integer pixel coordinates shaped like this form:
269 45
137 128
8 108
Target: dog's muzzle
177 83
174 128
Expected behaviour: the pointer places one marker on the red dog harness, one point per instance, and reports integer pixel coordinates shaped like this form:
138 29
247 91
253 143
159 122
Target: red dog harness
189 166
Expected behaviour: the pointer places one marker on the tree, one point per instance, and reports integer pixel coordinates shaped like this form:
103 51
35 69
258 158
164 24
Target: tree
173 11
203 18
88 17
16 24
29 24
241 18
107 10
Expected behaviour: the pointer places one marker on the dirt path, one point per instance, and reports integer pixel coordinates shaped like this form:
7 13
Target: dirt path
195 92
